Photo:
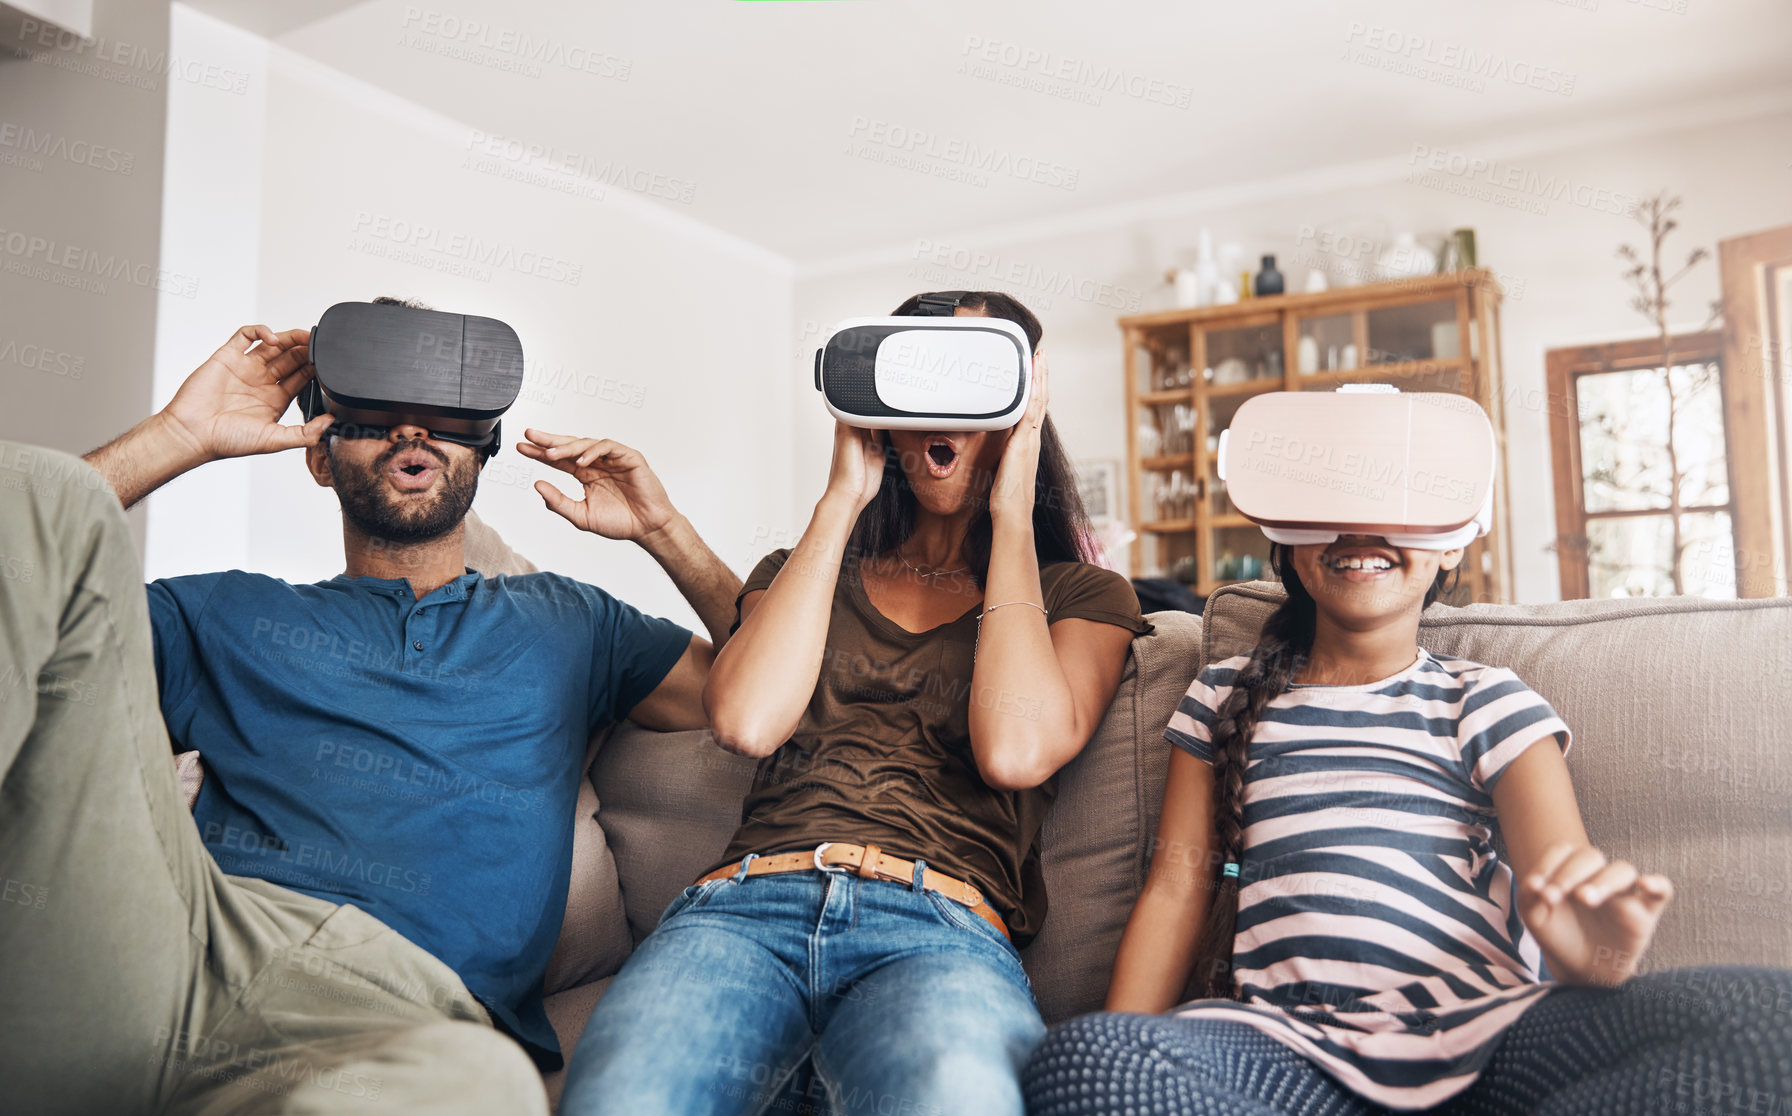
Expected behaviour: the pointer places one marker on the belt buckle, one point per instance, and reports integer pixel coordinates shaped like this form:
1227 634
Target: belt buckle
819 866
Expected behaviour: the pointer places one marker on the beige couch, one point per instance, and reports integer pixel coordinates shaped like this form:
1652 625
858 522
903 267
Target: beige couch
1678 709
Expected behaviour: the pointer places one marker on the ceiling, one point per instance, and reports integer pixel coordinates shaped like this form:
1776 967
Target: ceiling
788 124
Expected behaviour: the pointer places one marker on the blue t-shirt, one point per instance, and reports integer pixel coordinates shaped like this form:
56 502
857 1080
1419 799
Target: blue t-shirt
417 758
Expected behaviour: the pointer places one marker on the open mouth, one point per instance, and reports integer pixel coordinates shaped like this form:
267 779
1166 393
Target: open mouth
941 456
413 470
1356 562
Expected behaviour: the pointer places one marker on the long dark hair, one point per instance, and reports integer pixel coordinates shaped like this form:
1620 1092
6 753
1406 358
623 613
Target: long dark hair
1060 525
1283 647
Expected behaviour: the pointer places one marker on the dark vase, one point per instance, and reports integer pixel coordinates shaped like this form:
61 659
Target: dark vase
1269 280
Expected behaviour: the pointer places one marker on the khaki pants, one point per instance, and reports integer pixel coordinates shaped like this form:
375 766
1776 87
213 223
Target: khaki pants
134 975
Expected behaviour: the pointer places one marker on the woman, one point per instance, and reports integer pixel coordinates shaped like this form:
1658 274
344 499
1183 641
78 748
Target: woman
913 674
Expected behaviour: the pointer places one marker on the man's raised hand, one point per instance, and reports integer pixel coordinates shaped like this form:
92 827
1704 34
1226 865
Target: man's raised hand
231 405
623 498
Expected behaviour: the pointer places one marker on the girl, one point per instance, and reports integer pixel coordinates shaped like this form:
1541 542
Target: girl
913 673
1326 873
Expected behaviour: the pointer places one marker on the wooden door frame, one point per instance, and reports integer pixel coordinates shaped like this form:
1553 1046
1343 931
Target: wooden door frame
1750 421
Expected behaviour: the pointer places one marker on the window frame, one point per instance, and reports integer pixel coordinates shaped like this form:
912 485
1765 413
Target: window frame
1563 369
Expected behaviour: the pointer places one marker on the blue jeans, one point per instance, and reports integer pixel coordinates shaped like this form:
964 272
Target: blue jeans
906 1003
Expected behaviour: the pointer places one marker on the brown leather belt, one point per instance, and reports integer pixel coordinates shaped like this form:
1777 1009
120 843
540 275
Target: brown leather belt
871 864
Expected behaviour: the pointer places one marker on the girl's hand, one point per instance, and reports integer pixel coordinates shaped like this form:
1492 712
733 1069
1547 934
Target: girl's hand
1592 917
1011 495
857 471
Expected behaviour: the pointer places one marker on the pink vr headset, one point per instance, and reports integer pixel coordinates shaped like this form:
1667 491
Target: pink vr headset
1415 468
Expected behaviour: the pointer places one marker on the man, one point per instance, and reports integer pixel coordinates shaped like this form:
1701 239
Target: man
392 761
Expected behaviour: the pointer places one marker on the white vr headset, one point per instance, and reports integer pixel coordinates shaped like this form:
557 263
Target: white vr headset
1416 469
926 372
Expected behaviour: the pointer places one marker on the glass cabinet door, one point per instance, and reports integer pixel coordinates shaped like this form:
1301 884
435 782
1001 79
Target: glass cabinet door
1243 358
1163 361
1415 346
1418 331
1240 553
1328 343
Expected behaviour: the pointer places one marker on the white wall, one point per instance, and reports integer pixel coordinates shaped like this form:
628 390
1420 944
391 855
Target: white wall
1562 280
211 229
694 346
637 323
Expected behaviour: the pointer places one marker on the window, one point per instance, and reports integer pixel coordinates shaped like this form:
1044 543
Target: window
1642 465
1673 470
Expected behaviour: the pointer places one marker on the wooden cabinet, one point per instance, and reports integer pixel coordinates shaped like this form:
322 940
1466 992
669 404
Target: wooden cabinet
1187 371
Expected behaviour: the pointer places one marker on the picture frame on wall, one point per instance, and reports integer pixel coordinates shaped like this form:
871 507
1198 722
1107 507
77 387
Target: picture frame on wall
1098 483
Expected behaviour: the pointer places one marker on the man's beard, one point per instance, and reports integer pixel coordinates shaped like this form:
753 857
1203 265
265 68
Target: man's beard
374 509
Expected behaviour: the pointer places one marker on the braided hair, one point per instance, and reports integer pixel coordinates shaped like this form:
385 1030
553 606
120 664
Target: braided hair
1283 647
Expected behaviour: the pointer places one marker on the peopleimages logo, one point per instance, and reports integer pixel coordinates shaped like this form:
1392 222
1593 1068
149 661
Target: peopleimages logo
27 141
1506 184
505 48
936 261
925 147
84 268
463 249
277 860
1447 63
42 358
118 61
1058 75
1318 463
511 158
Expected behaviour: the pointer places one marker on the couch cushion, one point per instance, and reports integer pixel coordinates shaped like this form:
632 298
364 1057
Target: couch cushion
488 553
568 1011
1677 707
1096 836
669 802
594 939
191 772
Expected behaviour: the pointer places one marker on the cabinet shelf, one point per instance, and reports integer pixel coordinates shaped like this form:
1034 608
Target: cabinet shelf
1408 369
1248 387
1174 394
1170 395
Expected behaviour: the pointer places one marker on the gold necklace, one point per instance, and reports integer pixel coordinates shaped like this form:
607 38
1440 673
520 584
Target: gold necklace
937 572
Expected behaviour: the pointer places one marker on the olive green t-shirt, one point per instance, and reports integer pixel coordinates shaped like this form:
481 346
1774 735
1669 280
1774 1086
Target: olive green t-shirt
882 754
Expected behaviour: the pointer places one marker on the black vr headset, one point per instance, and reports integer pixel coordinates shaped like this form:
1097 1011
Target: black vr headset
378 366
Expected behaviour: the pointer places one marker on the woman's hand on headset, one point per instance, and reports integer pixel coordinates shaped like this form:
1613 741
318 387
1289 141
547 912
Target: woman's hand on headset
857 470
231 405
1011 494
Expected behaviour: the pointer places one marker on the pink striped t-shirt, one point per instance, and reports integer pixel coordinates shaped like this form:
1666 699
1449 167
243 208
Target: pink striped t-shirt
1378 931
